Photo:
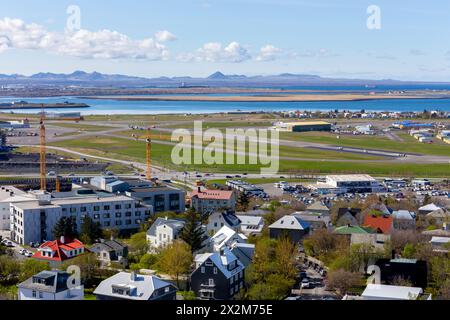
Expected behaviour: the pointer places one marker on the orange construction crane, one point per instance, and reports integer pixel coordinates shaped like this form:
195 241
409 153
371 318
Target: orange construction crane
149 155
43 160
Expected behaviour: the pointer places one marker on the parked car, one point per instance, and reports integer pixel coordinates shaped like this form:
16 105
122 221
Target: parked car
23 251
28 254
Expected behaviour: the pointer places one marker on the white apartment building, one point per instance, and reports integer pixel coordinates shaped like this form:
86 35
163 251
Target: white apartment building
33 221
8 195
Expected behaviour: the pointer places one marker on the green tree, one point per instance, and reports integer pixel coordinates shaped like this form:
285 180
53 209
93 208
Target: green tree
89 267
9 270
176 260
342 281
192 232
243 201
148 261
31 267
67 227
91 231
285 252
138 243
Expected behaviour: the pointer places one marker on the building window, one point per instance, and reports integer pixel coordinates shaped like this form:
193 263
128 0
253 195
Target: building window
118 207
202 269
34 294
215 270
96 208
118 215
106 208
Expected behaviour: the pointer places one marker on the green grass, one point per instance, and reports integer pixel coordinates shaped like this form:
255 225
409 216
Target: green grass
370 142
220 125
135 151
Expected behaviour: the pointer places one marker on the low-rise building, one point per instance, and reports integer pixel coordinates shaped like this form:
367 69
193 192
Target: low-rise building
355 183
251 225
220 219
404 220
318 207
132 286
428 209
386 292
163 232
8 195
290 226
226 238
50 285
60 250
217 276
207 201
304 126
381 224
111 251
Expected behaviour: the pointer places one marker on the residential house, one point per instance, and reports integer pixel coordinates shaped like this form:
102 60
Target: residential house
244 252
163 232
440 244
439 216
376 240
251 225
219 219
290 226
318 207
226 237
208 201
413 270
382 224
50 285
348 216
316 220
111 251
428 209
217 276
58 251
132 286
386 292
404 220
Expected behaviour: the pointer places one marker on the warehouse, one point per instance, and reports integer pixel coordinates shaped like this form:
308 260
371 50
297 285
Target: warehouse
304 126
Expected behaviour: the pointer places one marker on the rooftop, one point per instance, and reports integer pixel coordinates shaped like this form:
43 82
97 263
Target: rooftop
212 194
351 177
378 291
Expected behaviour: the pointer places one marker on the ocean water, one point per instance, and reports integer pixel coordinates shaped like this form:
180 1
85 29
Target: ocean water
101 107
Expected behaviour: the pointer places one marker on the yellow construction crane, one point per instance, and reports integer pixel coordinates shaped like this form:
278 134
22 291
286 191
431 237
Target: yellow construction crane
149 154
43 160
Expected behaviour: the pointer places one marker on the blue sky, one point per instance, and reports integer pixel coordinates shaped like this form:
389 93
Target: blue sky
324 37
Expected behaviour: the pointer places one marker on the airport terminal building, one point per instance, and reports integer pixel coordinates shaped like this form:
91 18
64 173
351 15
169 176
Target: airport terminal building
355 183
303 126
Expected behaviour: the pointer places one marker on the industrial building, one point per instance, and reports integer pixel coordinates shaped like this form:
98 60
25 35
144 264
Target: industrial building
355 183
305 126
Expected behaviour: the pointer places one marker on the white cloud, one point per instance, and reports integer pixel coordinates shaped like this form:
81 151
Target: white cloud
216 52
103 44
268 53
417 52
164 36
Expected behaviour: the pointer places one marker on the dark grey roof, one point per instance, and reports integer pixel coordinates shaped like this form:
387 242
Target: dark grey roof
231 219
175 224
47 281
110 245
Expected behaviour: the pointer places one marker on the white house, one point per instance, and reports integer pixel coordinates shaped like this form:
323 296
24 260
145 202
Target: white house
220 219
385 292
251 225
225 238
163 232
50 285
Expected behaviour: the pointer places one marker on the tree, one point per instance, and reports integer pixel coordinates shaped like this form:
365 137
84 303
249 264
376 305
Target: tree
176 260
31 267
342 281
110 233
276 287
285 252
192 232
67 227
9 270
138 243
89 267
243 201
91 231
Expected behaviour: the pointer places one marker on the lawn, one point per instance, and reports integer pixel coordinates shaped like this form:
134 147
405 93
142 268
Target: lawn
369 142
135 151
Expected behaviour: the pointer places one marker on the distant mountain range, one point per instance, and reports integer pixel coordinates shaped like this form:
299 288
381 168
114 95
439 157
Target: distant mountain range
82 78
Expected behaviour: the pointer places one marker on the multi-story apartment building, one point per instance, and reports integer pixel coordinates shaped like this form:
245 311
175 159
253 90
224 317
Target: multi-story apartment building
208 201
33 221
8 195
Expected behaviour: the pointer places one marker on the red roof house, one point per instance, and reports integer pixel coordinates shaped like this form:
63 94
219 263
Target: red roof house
60 250
383 224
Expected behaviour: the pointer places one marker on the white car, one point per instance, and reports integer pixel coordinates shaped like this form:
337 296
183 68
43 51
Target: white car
23 251
28 254
305 284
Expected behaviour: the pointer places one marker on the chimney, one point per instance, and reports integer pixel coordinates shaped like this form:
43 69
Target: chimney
62 239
